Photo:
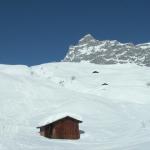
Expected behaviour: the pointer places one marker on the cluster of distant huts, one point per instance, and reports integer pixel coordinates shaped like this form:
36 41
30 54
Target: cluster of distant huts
98 72
66 127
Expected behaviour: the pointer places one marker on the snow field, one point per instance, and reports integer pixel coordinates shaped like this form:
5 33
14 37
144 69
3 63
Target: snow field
114 117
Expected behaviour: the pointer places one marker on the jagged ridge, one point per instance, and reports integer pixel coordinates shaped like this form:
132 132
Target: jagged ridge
108 52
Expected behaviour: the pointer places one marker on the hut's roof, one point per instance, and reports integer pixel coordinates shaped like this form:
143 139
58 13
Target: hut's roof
54 118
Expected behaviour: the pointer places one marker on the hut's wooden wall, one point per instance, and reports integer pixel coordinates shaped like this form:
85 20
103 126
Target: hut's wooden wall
66 129
48 131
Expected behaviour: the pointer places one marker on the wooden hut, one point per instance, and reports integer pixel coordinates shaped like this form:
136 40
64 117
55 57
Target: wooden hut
63 128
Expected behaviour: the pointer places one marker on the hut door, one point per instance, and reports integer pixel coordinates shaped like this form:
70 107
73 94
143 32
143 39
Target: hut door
69 130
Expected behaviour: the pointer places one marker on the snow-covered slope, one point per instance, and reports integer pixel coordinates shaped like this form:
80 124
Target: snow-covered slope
108 52
115 116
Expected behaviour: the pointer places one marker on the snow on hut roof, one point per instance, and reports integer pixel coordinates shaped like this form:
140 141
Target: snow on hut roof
59 116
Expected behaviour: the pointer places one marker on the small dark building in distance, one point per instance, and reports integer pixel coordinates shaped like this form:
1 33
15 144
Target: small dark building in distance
95 72
63 128
105 84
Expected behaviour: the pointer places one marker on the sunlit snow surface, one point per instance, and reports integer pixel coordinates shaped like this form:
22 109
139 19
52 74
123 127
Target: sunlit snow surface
115 116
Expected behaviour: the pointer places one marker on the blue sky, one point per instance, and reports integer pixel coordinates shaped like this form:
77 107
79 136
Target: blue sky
40 31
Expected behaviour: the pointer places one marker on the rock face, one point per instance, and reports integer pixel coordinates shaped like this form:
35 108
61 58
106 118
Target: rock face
108 52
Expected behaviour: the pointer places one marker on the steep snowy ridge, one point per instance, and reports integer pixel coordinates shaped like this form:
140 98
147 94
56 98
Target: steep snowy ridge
108 52
115 116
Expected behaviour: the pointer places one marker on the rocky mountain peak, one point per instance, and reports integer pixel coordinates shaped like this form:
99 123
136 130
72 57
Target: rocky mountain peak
87 38
108 52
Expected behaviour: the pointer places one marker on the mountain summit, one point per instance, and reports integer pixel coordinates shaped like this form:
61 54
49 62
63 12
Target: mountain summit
87 38
108 52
